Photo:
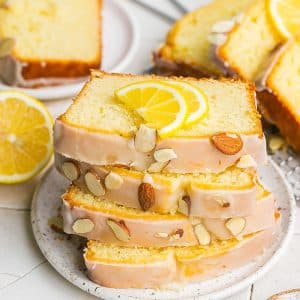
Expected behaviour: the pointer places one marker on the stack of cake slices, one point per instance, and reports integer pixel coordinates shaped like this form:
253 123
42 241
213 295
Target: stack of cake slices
160 206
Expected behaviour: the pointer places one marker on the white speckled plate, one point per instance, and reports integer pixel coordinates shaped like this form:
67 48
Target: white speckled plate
119 37
65 253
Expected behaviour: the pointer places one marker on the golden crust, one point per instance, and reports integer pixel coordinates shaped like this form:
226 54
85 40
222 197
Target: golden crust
276 108
165 66
282 116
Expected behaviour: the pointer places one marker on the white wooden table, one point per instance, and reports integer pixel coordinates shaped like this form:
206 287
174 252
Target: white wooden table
24 272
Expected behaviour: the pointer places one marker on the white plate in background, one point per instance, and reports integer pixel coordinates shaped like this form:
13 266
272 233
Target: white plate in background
119 39
65 254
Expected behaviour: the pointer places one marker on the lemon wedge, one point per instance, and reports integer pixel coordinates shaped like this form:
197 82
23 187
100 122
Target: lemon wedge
161 105
26 142
285 15
197 103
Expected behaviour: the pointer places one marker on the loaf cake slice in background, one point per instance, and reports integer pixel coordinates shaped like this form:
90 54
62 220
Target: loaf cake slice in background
249 43
99 219
53 41
98 118
280 100
187 50
124 267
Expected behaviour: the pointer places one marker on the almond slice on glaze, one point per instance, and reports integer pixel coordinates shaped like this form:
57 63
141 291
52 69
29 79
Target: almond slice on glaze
176 235
184 205
113 181
246 161
164 155
202 235
221 201
146 195
163 235
94 183
83 226
120 229
227 143
157 166
235 225
145 139
71 170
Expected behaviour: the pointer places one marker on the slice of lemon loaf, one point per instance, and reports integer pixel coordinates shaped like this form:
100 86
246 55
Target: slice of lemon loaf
100 130
187 50
99 219
249 43
280 100
124 267
57 40
228 194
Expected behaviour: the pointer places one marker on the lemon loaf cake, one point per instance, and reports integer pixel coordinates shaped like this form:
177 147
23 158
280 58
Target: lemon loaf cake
55 41
99 219
124 267
100 130
228 194
280 99
249 43
187 50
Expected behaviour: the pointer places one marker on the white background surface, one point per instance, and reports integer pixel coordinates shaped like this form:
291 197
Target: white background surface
24 272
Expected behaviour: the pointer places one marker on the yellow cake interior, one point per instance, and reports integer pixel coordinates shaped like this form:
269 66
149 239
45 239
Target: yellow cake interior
231 107
250 42
52 29
188 41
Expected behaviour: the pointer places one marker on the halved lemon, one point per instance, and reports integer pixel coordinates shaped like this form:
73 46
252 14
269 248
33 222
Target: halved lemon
26 142
159 104
285 15
197 104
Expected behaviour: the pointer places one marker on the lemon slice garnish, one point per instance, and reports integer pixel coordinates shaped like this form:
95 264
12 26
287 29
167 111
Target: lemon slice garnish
285 15
197 103
26 143
162 106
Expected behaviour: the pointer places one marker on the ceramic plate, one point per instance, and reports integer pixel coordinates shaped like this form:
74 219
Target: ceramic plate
65 252
119 38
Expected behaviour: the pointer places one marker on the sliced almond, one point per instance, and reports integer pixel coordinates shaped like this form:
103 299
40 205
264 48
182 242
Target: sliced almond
176 235
6 46
276 143
164 155
195 220
217 39
246 161
147 178
145 139
146 196
83 226
222 26
221 201
71 170
120 229
202 235
163 235
157 166
184 205
94 183
227 143
235 225
113 181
